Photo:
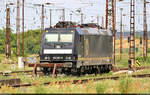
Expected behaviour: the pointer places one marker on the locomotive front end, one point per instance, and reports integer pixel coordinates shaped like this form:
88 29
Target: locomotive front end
57 46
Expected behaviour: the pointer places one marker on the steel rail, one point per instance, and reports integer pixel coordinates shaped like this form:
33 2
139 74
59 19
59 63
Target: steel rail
81 81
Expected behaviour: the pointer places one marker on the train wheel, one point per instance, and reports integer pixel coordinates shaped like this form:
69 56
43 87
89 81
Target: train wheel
67 71
107 68
79 71
110 67
99 69
103 68
45 70
95 71
89 70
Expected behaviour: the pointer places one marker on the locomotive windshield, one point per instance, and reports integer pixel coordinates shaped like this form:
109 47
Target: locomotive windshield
58 37
51 37
65 37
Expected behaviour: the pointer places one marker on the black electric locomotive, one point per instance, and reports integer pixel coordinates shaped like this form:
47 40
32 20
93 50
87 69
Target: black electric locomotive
80 50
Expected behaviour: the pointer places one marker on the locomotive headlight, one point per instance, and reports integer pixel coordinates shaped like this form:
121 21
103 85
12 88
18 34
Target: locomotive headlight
54 57
46 57
68 57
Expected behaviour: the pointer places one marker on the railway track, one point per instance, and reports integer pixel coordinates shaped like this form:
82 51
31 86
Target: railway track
76 81
7 73
82 81
116 69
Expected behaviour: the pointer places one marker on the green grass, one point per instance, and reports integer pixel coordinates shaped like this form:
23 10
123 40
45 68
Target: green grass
12 67
100 87
127 85
42 79
9 64
123 85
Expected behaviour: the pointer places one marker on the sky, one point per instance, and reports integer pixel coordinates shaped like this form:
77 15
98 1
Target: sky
90 8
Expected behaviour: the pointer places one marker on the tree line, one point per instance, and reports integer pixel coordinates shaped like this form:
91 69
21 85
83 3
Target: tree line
32 42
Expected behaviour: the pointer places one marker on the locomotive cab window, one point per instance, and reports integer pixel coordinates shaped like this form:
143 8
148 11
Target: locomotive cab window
59 37
65 37
51 38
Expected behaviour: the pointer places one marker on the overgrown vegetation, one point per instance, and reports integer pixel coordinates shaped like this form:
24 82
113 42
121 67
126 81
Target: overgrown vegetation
127 85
